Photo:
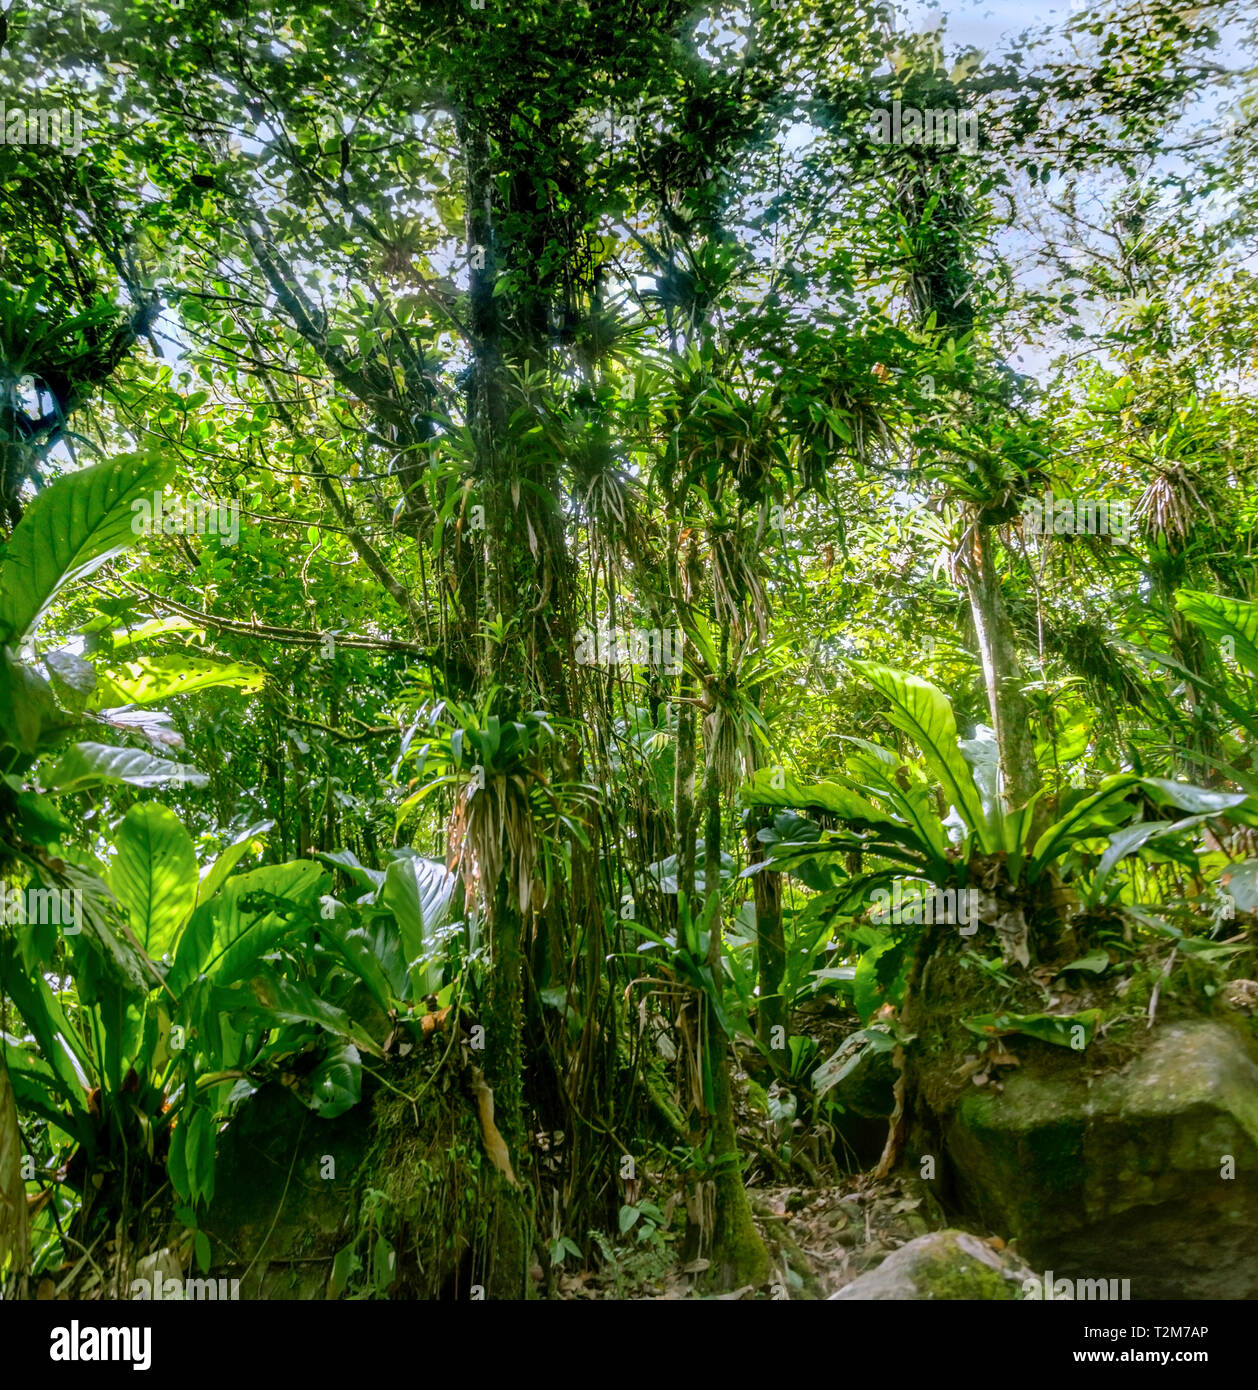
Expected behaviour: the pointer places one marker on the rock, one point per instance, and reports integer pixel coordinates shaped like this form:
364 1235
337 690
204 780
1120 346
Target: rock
867 1089
1148 1174
279 1203
865 1094
944 1265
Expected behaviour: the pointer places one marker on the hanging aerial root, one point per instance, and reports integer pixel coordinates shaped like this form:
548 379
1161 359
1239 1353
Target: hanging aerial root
896 1131
495 1144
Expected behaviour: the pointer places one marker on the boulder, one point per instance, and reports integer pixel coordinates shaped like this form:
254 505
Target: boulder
1147 1173
943 1265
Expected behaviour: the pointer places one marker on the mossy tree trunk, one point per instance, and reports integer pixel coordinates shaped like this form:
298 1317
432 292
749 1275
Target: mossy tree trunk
500 665
738 1254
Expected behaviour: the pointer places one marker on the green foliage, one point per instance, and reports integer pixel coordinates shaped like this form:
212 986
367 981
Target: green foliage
478 367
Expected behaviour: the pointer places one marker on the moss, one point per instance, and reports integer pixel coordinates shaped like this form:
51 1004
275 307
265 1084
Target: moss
947 1276
739 1256
426 1187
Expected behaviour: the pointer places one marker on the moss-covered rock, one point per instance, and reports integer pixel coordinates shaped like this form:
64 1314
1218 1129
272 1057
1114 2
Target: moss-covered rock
283 1202
1148 1172
398 1188
944 1265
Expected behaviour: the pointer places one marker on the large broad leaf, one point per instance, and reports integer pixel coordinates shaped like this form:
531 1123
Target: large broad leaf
58 1042
982 752
337 1082
417 891
1241 881
154 678
1132 838
250 914
881 977
69 530
923 711
269 998
369 880
100 928
87 764
1196 800
772 787
30 717
72 678
1229 619
1084 819
1065 1030
38 1091
856 1048
216 875
915 826
154 875
357 951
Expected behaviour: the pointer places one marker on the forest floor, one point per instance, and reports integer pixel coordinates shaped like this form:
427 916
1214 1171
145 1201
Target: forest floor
841 1232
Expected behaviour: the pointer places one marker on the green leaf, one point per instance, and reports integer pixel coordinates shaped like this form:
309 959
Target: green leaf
248 916
1051 1028
1080 822
356 949
154 875
149 679
88 764
1133 837
871 987
202 1136
1227 619
59 1042
227 860
177 1160
275 998
367 879
849 1057
97 912
1198 800
29 716
923 711
770 787
336 1083
38 1091
73 678
1241 881
344 1264
418 891
69 530
1095 963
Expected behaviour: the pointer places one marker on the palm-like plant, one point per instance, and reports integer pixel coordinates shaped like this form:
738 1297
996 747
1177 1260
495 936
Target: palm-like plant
963 835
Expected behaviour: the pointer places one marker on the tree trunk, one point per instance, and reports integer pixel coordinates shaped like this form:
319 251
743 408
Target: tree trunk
1011 715
739 1256
766 888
